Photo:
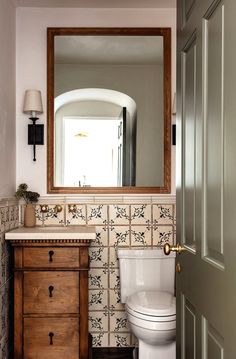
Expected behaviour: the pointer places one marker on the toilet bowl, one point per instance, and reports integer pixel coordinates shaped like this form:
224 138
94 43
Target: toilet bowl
147 289
152 319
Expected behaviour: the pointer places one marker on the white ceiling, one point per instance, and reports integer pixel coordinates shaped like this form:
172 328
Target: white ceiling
98 3
109 50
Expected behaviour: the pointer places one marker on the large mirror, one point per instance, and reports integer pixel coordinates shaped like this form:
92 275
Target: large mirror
109 117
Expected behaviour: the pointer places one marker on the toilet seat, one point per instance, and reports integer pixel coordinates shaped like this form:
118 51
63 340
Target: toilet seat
155 306
151 318
153 325
152 310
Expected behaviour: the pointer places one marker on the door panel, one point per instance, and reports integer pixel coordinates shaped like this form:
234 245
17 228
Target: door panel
206 180
189 122
189 334
215 343
213 102
188 7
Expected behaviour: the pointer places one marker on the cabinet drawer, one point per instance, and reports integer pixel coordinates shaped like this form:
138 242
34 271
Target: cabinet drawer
51 292
51 257
51 338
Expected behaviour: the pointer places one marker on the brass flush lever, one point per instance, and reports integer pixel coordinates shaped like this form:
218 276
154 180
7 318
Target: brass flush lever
168 248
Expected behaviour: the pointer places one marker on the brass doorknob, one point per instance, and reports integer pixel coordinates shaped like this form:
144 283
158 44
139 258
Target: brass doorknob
168 248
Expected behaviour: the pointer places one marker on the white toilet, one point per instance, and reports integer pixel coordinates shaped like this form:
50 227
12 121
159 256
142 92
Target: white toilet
147 288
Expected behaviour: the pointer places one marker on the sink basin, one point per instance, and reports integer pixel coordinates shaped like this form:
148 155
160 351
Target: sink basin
53 229
53 232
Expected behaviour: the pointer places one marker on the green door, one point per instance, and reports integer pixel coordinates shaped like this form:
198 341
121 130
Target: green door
206 179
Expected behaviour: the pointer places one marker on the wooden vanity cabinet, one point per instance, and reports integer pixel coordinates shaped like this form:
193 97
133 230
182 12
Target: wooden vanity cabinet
51 299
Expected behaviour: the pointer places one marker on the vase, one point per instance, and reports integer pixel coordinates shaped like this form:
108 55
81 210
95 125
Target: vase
29 216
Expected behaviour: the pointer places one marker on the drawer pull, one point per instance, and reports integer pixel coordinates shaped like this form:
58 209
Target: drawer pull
51 335
50 289
50 253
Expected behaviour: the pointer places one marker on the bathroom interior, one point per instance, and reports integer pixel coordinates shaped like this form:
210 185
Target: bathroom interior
139 218
87 123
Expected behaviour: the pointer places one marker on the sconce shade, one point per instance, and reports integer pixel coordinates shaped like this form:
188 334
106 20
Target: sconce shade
33 102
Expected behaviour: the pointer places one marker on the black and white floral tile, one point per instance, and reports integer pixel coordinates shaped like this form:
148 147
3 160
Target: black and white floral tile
9 219
126 225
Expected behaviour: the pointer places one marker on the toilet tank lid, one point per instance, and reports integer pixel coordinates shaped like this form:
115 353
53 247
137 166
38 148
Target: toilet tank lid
143 253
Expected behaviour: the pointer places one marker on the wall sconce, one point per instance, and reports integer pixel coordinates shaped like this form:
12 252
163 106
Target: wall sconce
33 106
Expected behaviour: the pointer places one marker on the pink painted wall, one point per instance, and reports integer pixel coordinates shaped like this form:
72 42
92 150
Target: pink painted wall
31 28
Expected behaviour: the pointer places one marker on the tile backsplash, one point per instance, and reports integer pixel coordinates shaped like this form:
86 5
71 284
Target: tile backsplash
117 224
127 225
9 219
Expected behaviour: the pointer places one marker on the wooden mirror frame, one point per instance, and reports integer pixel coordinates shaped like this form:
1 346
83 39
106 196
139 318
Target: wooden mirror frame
166 33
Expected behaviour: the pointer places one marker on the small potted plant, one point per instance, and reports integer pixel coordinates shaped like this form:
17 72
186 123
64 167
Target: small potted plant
30 199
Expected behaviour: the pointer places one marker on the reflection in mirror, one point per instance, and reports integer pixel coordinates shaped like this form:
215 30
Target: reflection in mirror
109 125
107 139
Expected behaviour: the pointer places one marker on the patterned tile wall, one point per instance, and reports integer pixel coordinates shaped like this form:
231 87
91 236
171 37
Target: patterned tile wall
9 219
126 225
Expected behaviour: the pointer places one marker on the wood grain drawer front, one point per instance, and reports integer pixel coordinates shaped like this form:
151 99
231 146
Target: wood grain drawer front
51 292
51 257
51 338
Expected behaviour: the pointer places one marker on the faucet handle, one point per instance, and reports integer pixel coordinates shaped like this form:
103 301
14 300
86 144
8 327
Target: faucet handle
72 208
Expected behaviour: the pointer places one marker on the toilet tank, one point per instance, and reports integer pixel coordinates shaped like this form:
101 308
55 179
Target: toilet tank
145 269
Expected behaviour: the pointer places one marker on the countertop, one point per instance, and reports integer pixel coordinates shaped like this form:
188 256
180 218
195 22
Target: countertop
55 232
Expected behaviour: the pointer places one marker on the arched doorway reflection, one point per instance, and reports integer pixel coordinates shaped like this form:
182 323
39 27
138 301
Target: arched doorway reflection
95 138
